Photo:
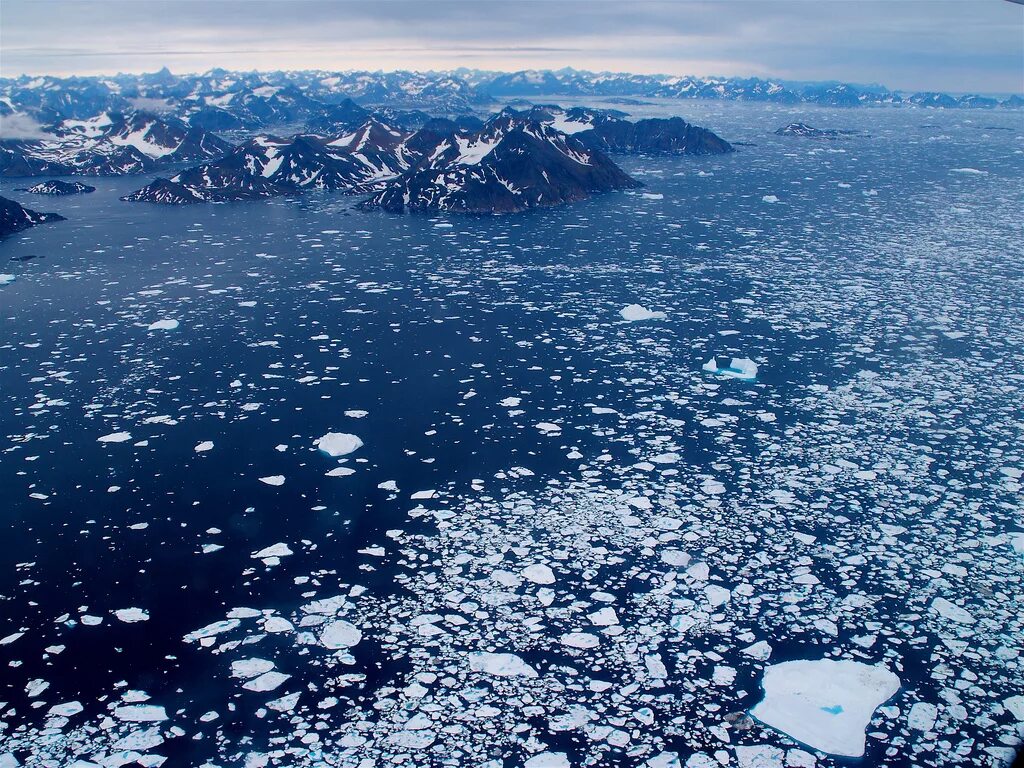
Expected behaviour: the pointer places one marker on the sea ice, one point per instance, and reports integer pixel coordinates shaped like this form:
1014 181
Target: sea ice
115 437
538 574
633 313
131 615
548 760
163 325
141 713
338 444
273 480
500 664
340 634
825 704
739 368
6 279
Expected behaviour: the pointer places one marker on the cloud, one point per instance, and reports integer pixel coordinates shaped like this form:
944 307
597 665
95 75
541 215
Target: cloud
940 44
21 126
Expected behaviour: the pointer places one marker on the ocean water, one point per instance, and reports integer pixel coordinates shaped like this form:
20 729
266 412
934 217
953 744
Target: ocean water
861 500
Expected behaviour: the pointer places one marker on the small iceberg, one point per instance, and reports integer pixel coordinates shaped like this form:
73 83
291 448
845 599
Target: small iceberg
633 313
6 279
739 368
336 444
825 704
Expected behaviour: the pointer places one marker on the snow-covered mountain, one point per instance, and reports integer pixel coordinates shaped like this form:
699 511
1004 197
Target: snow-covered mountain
109 144
609 131
510 163
265 166
513 163
14 217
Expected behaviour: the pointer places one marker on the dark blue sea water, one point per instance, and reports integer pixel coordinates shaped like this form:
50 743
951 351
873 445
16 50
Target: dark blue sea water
861 500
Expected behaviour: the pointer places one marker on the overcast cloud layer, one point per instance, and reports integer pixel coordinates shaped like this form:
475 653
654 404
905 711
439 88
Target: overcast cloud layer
949 45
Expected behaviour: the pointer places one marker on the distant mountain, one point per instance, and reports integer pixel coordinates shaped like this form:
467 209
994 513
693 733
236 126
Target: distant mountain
56 187
109 144
324 102
15 218
512 164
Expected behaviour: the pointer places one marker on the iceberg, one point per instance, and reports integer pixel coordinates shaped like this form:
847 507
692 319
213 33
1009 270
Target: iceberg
336 444
823 703
742 368
633 313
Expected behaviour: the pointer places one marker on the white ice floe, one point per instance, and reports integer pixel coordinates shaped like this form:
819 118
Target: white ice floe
115 437
337 444
203 447
163 325
739 368
273 480
141 713
268 681
548 760
951 611
769 199
538 574
340 634
249 668
580 640
131 615
6 279
500 664
274 550
633 313
825 704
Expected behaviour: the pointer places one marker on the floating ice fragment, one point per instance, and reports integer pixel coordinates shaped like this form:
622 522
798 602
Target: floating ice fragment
163 325
340 634
951 611
538 574
664 760
268 681
273 480
206 445
739 368
633 313
131 615
548 760
115 437
247 668
6 279
500 664
274 550
769 199
65 710
580 640
547 428
922 716
337 444
825 704
973 171
141 713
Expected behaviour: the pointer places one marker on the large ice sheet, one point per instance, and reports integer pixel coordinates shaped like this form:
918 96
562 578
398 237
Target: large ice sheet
825 704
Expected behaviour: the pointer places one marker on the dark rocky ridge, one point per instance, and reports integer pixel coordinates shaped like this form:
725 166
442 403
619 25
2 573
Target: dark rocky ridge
57 187
14 217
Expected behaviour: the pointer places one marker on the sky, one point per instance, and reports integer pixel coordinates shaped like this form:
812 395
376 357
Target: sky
945 45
